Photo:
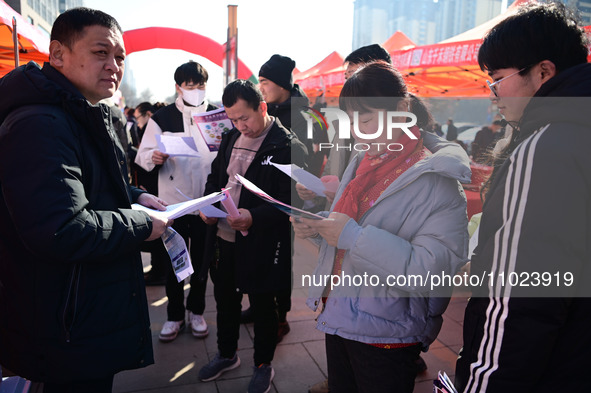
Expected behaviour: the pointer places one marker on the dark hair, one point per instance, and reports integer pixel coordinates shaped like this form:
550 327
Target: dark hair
245 90
145 107
378 85
159 105
537 32
368 53
191 72
69 26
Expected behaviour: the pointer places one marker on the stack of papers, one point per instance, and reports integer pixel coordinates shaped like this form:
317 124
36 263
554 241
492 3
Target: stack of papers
443 384
180 209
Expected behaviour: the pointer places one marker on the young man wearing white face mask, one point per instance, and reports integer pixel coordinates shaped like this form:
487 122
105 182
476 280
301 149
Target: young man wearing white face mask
179 178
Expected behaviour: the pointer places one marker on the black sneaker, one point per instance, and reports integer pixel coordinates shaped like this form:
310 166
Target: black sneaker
217 366
261 379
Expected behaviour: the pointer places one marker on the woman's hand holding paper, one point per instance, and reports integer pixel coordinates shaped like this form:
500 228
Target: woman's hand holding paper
331 228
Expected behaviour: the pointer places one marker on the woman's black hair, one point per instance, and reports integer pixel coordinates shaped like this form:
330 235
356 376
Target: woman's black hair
145 107
378 85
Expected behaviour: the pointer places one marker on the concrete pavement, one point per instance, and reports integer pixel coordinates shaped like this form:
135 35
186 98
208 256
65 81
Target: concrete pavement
300 360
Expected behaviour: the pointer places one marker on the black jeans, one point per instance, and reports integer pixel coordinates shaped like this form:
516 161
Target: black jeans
357 367
104 385
192 229
228 300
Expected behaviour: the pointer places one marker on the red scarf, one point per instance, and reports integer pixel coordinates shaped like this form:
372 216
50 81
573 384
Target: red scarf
372 170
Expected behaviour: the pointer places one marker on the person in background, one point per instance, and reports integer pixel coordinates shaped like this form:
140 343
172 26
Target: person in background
485 141
148 181
452 130
394 213
73 308
279 91
181 178
526 336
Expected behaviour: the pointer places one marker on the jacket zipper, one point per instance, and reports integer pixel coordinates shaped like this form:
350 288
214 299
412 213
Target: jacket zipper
69 315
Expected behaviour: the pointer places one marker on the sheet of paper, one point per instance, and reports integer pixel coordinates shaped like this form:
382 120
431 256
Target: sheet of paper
179 255
180 209
308 180
311 182
285 168
284 207
177 145
212 211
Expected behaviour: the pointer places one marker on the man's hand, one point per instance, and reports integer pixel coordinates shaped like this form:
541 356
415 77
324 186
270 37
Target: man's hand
159 222
159 225
151 201
159 158
208 220
242 222
331 228
304 193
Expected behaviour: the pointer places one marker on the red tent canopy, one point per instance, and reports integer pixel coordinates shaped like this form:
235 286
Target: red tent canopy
171 38
33 45
313 82
398 41
450 68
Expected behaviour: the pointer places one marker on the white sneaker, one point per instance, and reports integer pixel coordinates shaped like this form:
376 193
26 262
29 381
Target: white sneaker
170 330
198 325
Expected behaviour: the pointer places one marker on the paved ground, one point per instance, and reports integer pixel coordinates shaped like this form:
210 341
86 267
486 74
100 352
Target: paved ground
299 361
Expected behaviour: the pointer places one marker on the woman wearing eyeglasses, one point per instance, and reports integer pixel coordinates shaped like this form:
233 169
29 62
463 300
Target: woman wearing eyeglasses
399 212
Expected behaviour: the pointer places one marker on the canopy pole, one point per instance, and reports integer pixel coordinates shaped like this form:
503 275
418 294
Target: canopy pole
15 41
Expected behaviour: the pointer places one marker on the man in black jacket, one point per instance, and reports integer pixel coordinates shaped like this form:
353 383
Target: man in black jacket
282 96
525 328
73 309
257 263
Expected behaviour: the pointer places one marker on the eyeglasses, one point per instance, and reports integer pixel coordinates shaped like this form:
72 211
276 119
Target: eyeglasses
492 85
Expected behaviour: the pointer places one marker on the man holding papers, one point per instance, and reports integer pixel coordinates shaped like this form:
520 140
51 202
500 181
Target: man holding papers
73 308
259 263
183 169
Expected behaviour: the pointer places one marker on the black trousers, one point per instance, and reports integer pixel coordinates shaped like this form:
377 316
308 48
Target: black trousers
228 300
357 367
104 385
192 229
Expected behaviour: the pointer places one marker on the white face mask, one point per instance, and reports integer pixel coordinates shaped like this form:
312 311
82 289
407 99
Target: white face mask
193 97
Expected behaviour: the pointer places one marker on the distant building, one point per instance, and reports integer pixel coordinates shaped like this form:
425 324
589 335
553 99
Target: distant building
42 13
584 7
430 21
